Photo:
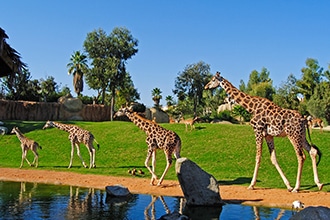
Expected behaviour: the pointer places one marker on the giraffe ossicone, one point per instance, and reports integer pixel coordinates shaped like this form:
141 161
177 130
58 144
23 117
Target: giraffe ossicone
269 121
77 136
157 138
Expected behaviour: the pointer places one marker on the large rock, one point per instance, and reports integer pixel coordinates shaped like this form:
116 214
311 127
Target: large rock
199 187
72 104
158 115
313 212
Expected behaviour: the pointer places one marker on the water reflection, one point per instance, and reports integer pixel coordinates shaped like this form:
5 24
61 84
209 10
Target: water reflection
20 200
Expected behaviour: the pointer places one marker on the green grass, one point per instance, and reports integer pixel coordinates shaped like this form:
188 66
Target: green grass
225 151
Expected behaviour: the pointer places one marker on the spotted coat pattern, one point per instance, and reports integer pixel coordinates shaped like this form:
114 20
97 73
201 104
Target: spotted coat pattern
76 137
269 121
157 138
26 145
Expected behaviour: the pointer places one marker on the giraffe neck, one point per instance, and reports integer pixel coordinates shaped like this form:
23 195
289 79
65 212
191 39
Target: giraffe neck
143 123
240 97
19 135
63 127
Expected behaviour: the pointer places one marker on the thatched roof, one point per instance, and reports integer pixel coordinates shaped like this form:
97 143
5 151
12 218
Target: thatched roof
10 59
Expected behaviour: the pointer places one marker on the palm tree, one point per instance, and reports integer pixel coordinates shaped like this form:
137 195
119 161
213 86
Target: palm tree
10 59
77 67
169 100
156 96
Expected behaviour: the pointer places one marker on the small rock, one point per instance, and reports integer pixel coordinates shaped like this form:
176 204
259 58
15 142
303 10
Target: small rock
117 190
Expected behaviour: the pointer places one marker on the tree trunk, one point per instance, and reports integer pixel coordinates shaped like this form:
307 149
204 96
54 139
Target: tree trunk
112 104
103 96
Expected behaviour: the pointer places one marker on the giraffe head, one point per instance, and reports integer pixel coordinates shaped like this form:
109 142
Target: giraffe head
14 130
48 124
123 111
215 81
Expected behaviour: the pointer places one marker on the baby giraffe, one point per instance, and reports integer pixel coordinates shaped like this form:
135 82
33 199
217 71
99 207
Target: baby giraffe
26 145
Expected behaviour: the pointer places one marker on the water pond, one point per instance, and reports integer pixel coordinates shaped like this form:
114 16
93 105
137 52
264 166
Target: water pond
20 200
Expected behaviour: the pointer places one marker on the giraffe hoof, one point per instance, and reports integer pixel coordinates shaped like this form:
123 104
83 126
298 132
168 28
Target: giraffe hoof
320 186
290 189
250 188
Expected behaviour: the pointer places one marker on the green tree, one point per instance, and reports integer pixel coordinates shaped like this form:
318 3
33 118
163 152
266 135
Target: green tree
109 55
49 89
127 94
311 78
260 84
189 85
78 67
287 94
169 101
156 94
242 113
21 87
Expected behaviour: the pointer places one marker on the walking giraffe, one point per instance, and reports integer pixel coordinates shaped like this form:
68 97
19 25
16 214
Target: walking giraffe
269 121
157 138
26 145
77 136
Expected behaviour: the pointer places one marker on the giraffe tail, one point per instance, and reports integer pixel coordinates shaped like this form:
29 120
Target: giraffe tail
318 153
97 144
40 147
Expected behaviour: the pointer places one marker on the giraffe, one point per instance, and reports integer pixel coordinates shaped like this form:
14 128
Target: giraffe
269 121
157 138
26 145
77 136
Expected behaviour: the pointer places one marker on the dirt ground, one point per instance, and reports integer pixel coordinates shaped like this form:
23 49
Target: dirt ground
230 194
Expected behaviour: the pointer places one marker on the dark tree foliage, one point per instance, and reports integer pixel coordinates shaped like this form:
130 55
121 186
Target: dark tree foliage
189 84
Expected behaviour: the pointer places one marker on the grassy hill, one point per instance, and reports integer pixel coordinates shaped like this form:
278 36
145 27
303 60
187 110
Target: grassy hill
225 151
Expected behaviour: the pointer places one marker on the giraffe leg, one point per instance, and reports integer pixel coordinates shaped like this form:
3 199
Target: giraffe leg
24 157
93 158
301 158
271 147
151 153
168 165
90 156
36 157
313 152
257 164
71 158
79 155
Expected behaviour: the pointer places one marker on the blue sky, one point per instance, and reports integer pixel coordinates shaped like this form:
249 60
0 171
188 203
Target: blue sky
234 37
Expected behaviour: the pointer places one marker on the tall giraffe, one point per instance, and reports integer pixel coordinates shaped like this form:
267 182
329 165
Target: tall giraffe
77 136
157 138
269 121
26 145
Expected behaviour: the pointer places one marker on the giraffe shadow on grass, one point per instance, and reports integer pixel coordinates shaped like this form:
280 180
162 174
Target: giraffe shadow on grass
313 187
237 181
